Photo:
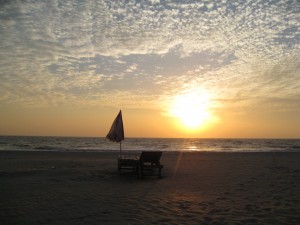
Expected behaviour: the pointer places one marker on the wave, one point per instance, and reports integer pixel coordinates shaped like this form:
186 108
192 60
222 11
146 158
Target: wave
141 144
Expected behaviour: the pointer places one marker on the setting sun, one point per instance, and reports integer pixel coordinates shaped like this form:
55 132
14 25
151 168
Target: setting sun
191 109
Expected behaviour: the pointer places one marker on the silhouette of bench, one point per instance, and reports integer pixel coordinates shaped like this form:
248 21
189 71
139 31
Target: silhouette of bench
146 164
149 162
131 164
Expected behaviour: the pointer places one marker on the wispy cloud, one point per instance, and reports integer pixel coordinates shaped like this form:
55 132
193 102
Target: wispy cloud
70 52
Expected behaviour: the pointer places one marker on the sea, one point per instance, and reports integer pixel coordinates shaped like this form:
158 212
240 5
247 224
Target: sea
100 144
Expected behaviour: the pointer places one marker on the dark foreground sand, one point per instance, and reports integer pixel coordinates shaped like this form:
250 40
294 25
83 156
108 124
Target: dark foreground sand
196 188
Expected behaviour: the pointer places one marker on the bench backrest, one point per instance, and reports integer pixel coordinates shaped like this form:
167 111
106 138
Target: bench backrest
151 156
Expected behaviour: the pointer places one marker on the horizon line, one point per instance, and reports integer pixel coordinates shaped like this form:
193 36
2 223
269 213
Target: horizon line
132 137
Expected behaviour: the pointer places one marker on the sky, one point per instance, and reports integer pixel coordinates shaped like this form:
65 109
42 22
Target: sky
205 69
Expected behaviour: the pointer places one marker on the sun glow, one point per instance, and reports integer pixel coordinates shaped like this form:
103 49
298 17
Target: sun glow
191 109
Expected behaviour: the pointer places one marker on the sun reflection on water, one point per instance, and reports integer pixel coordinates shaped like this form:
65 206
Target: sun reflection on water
192 148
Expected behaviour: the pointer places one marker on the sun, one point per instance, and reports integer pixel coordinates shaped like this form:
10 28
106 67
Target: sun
191 109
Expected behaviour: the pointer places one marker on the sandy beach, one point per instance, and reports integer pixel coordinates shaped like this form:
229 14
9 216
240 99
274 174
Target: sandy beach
195 188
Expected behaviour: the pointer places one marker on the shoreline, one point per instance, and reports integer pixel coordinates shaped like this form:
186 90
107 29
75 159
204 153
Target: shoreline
126 151
46 187
132 144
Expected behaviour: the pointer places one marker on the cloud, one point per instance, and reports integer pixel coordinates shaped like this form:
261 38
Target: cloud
59 51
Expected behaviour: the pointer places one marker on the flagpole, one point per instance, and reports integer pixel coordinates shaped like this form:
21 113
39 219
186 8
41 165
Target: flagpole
120 148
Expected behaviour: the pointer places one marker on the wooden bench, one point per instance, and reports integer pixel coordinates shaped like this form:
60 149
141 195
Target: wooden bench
132 164
146 164
149 162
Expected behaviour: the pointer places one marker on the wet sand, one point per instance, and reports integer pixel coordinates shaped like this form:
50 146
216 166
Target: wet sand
195 188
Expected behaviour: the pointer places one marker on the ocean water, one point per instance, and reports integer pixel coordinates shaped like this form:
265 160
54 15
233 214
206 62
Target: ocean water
66 144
